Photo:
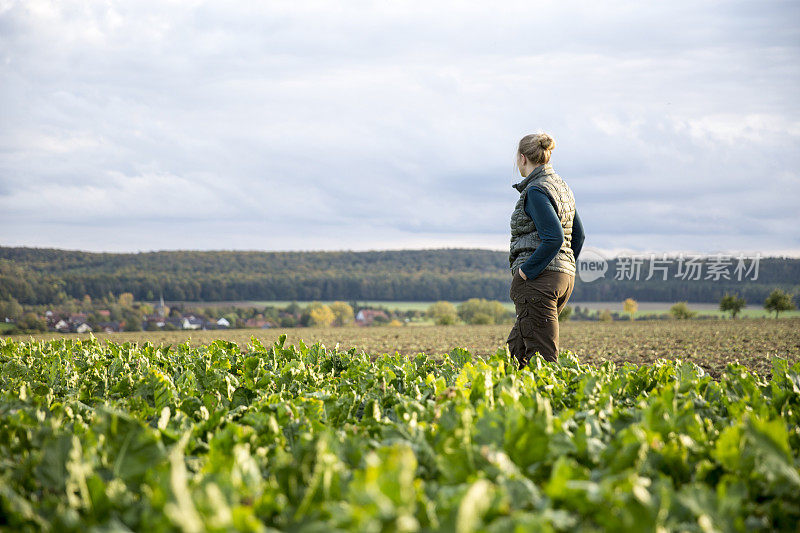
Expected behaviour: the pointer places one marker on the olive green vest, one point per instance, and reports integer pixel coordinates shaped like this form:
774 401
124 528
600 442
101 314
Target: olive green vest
524 236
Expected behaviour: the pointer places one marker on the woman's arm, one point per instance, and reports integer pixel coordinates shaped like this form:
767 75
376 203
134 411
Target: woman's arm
539 208
578 236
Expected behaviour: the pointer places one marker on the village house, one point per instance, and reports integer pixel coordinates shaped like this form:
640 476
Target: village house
191 322
155 319
77 319
366 317
175 321
110 327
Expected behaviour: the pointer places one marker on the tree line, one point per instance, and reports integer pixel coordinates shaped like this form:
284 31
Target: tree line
43 276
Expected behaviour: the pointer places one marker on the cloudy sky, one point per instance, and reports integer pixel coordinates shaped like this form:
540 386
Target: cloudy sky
141 125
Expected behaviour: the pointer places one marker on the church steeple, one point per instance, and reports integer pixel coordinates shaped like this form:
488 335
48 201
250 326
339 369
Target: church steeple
162 309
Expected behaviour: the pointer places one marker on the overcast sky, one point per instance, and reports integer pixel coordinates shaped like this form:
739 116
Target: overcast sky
128 126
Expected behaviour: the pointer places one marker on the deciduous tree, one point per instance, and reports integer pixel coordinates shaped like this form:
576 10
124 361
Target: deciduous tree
630 306
778 301
443 313
681 311
732 304
320 315
342 312
10 309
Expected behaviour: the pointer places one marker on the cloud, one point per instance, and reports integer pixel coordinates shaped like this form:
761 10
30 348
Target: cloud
353 125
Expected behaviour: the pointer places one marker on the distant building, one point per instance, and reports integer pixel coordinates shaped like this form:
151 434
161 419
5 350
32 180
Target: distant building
77 319
83 328
162 310
366 317
174 321
61 326
191 322
110 327
223 323
156 320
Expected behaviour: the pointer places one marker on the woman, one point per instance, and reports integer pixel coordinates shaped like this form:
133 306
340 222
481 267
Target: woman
546 238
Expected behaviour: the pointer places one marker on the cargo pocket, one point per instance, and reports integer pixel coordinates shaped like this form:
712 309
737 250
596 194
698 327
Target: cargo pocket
527 324
528 299
515 293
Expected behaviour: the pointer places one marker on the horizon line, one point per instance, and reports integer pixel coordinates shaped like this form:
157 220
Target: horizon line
608 253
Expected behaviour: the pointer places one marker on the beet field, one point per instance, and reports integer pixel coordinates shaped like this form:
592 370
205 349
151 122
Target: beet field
216 435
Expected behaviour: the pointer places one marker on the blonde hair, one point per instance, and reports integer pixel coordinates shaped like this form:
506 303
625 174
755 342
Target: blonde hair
537 147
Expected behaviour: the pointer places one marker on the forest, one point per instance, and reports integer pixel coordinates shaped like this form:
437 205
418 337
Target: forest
43 276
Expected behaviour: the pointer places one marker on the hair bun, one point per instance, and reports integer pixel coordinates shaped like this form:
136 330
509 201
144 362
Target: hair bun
536 147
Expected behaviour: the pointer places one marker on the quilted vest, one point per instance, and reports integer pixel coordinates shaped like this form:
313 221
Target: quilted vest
524 236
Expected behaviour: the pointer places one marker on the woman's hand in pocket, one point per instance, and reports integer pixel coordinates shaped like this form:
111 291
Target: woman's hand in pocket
522 274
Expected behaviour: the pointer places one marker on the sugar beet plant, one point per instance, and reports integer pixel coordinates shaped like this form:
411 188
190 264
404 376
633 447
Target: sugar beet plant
100 437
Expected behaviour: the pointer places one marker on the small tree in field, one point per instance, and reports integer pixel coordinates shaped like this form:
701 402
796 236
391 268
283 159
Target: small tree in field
343 313
732 304
482 311
443 313
778 301
630 306
681 311
320 314
565 313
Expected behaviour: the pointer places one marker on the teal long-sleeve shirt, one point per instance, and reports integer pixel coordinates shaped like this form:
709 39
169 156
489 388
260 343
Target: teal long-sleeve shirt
539 207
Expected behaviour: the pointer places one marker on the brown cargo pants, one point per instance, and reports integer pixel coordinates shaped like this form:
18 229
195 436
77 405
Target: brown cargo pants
538 303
